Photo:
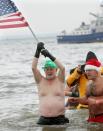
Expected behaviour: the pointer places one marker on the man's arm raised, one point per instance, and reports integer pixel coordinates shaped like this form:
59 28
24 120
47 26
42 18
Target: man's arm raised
61 73
36 72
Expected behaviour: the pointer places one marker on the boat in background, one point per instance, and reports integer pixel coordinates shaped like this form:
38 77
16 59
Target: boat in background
86 33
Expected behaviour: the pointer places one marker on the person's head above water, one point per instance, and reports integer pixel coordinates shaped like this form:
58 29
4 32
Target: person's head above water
50 69
49 64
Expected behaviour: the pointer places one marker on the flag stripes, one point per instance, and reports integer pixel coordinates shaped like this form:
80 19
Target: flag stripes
10 17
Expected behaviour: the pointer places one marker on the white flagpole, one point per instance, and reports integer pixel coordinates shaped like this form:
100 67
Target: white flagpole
33 34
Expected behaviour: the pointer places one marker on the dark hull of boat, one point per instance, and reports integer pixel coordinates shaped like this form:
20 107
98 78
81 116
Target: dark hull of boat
88 38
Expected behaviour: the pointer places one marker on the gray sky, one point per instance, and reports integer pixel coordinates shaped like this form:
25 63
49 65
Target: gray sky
53 16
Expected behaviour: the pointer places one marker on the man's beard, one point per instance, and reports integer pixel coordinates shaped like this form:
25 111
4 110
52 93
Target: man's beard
50 76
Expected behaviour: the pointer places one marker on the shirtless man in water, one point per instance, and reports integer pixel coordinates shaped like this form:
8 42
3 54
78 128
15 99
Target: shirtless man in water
94 93
50 88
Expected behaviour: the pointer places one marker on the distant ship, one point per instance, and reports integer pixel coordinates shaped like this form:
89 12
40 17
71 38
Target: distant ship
86 33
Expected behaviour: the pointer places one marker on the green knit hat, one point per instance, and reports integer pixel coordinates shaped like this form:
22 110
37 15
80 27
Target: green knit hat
49 63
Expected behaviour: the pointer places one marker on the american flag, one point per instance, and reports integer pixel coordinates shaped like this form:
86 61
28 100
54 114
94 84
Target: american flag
10 17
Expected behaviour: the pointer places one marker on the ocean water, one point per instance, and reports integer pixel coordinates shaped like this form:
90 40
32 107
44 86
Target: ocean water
18 92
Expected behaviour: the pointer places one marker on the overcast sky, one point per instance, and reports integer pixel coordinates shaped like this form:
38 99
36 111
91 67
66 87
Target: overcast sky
53 16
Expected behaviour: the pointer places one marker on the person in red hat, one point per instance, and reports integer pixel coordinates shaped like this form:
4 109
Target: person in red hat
94 92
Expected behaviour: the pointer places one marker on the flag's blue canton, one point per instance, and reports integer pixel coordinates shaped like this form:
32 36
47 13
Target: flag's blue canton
7 7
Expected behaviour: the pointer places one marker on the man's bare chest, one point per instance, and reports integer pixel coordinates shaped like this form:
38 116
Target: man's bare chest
96 89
